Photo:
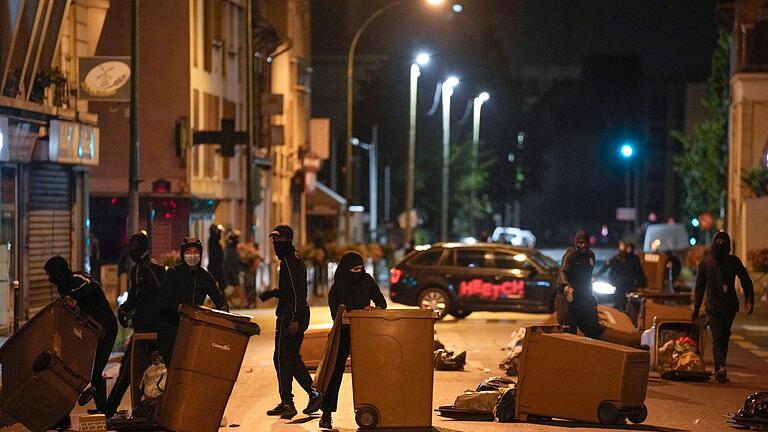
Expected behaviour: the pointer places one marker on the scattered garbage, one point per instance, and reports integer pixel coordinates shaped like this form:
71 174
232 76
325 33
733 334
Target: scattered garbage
494 399
495 383
754 413
676 348
445 360
511 362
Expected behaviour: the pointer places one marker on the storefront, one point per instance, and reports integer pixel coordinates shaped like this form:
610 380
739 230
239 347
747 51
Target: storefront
43 205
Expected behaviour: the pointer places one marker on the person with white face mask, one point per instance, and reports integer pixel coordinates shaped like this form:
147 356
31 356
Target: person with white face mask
185 283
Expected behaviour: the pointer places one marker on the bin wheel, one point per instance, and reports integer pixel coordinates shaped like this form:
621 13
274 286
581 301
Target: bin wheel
367 417
639 416
607 413
42 361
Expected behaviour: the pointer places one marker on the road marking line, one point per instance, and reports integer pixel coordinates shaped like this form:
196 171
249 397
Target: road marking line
755 328
737 337
760 353
748 345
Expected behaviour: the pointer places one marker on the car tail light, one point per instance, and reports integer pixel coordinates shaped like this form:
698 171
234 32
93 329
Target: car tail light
394 275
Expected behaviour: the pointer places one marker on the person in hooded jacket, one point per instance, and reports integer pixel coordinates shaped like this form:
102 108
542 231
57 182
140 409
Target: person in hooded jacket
292 321
716 280
80 290
216 255
355 289
186 283
232 267
575 291
625 272
139 310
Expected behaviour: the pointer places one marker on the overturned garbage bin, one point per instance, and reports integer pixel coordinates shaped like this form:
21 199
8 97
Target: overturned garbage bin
576 378
392 372
207 356
47 364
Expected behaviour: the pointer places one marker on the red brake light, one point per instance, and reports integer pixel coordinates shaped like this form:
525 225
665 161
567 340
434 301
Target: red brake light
394 275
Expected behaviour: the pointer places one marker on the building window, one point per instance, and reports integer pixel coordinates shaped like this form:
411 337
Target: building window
211 112
195 31
195 126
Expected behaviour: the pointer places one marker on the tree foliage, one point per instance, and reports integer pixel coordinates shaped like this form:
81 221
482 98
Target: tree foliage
464 180
703 165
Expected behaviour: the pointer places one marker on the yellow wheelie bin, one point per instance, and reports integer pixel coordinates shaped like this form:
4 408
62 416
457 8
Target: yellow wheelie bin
207 357
392 371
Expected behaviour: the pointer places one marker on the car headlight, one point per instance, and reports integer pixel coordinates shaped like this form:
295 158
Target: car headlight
601 287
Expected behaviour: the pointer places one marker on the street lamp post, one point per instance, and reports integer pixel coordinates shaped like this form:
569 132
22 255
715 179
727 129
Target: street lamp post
627 151
478 105
350 100
421 59
447 92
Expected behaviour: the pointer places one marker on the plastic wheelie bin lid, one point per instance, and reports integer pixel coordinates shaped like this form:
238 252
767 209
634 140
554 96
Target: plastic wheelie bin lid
223 319
391 314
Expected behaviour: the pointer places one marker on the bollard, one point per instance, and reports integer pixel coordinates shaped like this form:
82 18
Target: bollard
16 305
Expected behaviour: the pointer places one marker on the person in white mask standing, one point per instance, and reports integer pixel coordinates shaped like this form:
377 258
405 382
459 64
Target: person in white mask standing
185 283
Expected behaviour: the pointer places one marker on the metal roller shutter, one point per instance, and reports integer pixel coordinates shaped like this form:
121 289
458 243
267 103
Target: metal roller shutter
50 228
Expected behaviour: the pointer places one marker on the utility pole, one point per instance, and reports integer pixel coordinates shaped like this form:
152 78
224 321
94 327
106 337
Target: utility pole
250 113
373 180
133 153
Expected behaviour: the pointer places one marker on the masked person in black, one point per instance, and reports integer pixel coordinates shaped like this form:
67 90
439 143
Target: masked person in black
716 279
139 310
625 273
79 289
355 289
576 288
292 321
185 283
216 255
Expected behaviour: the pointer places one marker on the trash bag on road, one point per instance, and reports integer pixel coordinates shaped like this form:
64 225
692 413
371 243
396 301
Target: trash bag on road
754 413
495 383
445 360
511 363
477 400
504 411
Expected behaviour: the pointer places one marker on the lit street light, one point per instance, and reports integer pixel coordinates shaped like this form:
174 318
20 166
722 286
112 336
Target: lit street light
447 92
350 99
421 59
478 105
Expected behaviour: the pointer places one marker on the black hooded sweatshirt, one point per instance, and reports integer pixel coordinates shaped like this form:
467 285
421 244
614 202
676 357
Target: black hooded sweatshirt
184 285
353 290
576 271
716 279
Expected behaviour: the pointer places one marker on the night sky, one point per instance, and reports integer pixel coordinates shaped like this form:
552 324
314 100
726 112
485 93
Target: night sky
576 76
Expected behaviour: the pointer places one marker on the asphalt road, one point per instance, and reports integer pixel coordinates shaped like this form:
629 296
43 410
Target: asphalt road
672 405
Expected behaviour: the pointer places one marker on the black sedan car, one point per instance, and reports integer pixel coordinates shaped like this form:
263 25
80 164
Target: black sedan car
457 279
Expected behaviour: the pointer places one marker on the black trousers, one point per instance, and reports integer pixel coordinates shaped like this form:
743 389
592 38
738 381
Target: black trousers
122 382
166 338
720 323
583 316
331 396
99 384
620 296
287 358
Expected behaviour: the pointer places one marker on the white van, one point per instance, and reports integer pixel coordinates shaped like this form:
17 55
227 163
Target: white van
666 237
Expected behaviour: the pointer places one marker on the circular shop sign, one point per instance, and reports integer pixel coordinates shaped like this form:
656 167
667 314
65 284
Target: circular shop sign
106 79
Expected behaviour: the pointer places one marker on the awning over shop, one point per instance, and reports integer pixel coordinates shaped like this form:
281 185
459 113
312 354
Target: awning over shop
323 201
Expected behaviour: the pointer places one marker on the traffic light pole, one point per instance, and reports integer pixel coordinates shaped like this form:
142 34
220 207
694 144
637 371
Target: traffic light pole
133 164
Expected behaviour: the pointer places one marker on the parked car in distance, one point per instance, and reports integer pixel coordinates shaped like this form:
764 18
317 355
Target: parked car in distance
458 279
513 236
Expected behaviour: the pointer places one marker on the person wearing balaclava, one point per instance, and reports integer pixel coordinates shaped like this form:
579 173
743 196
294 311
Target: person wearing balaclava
716 279
625 273
575 290
186 283
292 321
80 290
216 254
139 309
355 289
